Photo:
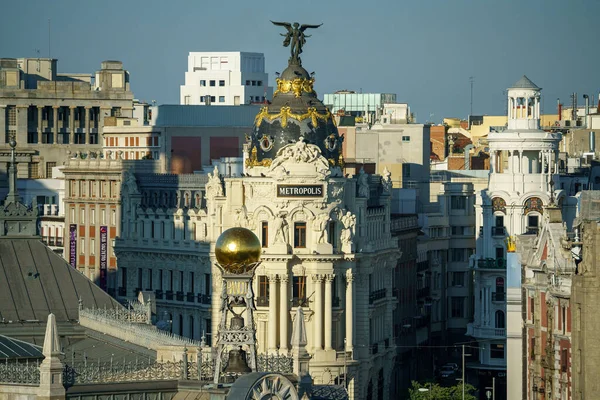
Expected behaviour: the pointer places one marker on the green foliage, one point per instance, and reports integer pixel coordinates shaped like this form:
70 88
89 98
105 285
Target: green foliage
437 392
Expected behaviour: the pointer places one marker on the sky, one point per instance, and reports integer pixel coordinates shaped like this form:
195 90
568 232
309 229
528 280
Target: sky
425 51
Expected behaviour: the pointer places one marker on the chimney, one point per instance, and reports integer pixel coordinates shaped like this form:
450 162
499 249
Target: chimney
587 104
559 110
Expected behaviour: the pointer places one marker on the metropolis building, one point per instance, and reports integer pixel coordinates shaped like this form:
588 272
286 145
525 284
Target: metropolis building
326 238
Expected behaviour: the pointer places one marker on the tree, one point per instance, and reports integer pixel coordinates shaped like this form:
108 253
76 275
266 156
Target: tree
436 392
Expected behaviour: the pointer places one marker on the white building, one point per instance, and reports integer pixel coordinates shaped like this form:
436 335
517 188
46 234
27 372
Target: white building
523 171
225 78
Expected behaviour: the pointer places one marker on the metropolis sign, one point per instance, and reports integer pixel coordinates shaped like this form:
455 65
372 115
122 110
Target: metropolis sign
299 190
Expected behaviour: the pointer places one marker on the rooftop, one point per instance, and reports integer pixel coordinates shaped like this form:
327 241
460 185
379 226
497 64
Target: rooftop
524 83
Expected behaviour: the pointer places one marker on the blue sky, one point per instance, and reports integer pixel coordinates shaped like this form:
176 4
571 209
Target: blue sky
423 50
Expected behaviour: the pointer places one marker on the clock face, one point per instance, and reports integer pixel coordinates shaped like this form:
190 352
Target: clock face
273 387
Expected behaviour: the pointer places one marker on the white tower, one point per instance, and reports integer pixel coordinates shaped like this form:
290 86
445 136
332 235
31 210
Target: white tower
523 173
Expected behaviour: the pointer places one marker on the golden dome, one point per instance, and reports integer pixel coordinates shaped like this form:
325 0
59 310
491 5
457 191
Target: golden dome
236 247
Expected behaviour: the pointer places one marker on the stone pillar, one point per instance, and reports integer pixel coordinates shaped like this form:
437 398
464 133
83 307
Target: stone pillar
328 311
349 311
283 312
272 313
72 124
40 123
87 125
55 124
2 123
318 321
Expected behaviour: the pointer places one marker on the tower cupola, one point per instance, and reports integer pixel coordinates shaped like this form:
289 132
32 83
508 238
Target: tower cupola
524 105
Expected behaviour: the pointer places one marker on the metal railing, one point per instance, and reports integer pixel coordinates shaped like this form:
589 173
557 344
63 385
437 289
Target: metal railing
489 332
20 373
491 263
377 295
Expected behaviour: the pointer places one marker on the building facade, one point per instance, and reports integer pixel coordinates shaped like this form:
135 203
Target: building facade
225 78
53 114
523 173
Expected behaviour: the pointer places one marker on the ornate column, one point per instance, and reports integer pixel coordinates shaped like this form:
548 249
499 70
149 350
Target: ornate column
349 311
284 313
87 125
71 123
318 322
272 313
55 124
39 124
328 311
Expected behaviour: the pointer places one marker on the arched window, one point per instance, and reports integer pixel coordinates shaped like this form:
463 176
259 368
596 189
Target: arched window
500 323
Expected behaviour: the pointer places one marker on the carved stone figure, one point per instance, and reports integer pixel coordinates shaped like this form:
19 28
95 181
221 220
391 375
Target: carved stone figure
241 217
363 184
130 182
295 38
300 152
386 181
280 225
349 222
320 227
214 187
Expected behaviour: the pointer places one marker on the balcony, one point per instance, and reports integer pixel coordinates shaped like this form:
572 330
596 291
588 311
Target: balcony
179 296
203 298
169 295
262 301
491 263
489 333
498 231
377 295
158 294
190 297
499 296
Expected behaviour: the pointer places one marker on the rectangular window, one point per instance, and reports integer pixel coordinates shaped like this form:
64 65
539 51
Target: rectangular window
92 247
113 217
140 277
160 280
82 245
564 357
92 215
82 216
259 83
299 287
202 82
496 350
532 348
207 284
331 229
192 282
202 99
212 99
247 83
212 83
457 307
221 83
221 99
33 170
458 279
263 290
457 255
149 279
49 166
265 234
300 234
458 203
406 138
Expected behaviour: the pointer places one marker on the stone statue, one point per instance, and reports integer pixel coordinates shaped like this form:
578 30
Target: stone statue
131 183
279 226
214 187
349 222
386 181
241 217
320 227
363 184
295 38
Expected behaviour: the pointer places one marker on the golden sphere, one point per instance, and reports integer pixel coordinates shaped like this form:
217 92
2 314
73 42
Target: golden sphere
237 246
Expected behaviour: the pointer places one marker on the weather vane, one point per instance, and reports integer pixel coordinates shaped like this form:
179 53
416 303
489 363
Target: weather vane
295 38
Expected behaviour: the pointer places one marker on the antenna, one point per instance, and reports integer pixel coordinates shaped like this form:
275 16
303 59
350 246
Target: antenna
471 80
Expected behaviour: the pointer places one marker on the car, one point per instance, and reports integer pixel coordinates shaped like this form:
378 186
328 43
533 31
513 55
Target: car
454 366
447 371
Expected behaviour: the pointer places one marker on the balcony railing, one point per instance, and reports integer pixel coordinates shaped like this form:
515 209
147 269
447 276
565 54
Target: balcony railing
159 294
169 295
489 332
203 298
498 231
498 296
179 296
190 297
377 295
491 263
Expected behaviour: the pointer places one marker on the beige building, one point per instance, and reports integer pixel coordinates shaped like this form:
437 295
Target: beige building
52 114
